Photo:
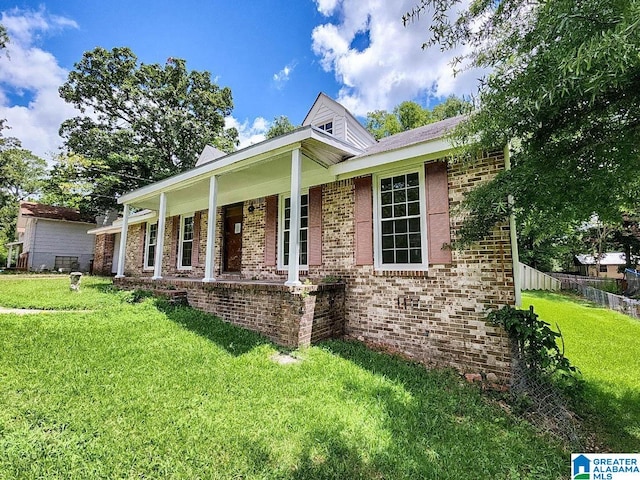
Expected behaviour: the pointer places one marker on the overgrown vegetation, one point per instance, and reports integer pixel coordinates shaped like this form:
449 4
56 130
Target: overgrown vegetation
542 377
562 88
537 345
147 390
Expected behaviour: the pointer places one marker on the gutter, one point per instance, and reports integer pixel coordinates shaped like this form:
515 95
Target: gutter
515 257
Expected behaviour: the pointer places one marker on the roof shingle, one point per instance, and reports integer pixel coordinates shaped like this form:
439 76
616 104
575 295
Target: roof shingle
40 210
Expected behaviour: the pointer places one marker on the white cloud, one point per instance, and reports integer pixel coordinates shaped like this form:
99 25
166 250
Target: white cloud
282 77
248 133
26 69
392 67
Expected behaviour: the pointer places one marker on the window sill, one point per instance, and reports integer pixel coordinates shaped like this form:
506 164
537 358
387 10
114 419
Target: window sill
401 273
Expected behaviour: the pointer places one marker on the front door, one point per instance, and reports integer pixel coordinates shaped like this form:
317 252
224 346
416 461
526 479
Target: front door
232 238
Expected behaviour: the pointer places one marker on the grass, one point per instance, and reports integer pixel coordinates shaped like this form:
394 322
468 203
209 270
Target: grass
53 292
604 345
149 391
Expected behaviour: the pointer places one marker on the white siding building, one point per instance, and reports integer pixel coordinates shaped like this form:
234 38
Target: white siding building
51 238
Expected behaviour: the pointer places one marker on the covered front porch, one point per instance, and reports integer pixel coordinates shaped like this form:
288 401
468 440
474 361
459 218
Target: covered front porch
291 316
285 166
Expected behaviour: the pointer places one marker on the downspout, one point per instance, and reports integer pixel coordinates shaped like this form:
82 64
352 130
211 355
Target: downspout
515 257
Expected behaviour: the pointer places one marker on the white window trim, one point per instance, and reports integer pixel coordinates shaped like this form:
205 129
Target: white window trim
377 222
281 199
179 265
324 124
147 237
332 121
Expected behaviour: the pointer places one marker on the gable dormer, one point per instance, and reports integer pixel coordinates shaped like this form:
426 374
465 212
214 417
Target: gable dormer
328 115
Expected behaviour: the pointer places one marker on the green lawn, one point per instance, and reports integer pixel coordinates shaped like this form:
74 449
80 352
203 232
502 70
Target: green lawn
605 345
146 391
53 293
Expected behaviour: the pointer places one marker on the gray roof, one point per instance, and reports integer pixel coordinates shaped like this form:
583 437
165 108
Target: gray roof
609 258
427 133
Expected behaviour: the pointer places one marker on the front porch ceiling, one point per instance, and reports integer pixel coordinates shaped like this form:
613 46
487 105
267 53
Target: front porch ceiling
268 177
259 170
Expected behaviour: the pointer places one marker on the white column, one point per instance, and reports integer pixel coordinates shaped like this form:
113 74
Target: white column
211 231
293 277
9 255
123 241
162 214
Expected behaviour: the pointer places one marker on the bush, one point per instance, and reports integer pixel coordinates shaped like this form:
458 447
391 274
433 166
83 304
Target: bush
537 345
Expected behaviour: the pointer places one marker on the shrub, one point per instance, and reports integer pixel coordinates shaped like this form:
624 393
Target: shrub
537 345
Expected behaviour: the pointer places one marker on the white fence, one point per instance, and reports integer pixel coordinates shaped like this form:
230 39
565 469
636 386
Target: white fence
532 279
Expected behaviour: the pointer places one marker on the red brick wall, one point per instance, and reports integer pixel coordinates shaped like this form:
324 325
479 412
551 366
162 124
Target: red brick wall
103 257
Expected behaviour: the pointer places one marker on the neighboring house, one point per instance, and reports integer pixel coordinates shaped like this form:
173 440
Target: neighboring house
295 213
51 238
610 265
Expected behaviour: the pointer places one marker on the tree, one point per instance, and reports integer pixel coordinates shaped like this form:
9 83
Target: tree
140 122
381 123
67 185
280 126
408 115
4 38
563 90
21 173
411 115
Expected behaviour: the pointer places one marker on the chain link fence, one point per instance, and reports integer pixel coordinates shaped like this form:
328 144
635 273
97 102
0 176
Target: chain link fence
543 404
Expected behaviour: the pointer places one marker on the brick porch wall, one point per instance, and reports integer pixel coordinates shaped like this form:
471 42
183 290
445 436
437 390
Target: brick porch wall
289 316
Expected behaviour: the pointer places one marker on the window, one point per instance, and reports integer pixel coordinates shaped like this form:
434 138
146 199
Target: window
186 242
66 264
327 127
400 236
285 219
603 268
151 241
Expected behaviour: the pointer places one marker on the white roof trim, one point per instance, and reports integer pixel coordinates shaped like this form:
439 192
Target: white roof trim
438 146
134 219
242 159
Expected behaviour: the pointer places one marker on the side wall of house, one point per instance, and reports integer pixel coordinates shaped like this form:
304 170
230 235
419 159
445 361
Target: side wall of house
436 317
61 239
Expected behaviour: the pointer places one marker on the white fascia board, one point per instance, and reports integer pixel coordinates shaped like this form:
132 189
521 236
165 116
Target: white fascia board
240 159
422 151
61 220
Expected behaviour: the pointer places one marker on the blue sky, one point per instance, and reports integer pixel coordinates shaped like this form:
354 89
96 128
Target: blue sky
276 56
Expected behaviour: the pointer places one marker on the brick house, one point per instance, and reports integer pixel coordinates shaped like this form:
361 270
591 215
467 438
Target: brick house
323 232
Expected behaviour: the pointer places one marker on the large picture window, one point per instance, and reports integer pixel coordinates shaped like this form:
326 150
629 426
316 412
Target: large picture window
186 242
285 222
151 241
399 227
